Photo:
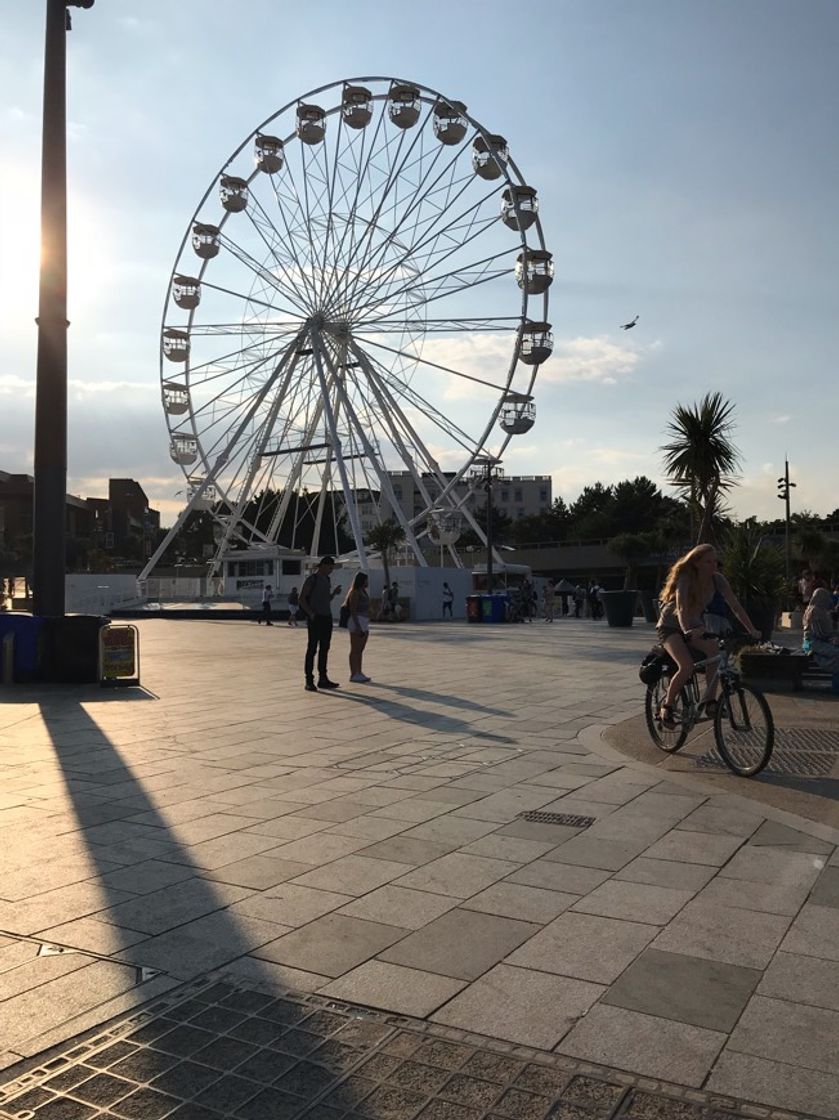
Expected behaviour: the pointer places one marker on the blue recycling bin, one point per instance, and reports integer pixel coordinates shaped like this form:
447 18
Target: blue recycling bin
28 633
494 607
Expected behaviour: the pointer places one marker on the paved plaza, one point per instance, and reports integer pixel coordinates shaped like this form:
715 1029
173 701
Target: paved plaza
469 889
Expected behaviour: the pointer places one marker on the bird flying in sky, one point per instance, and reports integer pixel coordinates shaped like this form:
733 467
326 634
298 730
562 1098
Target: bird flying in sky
629 326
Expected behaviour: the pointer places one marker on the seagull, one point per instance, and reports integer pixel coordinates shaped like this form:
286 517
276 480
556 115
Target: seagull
629 326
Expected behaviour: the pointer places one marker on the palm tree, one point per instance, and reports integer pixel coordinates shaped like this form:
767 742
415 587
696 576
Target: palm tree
701 459
384 537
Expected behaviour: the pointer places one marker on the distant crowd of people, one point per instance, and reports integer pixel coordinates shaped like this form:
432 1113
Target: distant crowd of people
570 600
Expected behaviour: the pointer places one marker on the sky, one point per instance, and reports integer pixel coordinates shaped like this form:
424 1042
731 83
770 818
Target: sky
687 161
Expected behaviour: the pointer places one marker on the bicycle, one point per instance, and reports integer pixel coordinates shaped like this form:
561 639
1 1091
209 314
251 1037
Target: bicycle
744 729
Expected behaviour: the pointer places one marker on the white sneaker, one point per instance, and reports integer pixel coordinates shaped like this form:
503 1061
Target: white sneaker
359 678
366 679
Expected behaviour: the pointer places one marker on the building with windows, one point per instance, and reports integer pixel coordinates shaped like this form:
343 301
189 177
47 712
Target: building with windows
516 495
123 523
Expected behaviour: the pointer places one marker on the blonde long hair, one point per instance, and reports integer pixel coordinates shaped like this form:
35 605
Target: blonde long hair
698 595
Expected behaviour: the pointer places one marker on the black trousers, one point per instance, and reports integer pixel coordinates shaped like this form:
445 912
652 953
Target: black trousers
320 638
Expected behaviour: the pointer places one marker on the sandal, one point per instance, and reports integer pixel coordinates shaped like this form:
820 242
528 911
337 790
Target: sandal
665 714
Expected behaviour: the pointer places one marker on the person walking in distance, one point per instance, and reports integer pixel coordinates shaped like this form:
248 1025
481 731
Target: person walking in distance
357 603
316 597
579 600
266 606
293 607
549 596
448 600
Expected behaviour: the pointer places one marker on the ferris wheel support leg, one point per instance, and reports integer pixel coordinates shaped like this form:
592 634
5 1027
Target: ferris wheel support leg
151 563
395 434
355 524
384 479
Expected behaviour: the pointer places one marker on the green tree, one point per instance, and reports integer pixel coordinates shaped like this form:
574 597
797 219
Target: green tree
631 548
701 460
592 513
384 537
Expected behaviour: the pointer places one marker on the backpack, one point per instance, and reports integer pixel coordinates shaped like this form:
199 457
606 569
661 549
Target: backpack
654 666
343 615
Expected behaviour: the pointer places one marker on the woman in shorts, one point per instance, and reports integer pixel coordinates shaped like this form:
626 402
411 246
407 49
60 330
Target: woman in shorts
358 625
690 587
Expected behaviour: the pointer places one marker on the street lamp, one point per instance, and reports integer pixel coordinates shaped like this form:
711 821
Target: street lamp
486 470
51 390
784 486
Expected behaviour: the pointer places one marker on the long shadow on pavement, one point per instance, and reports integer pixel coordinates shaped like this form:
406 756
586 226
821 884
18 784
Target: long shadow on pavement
428 722
251 1054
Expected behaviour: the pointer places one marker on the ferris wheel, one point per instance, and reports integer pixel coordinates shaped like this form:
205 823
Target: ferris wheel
362 290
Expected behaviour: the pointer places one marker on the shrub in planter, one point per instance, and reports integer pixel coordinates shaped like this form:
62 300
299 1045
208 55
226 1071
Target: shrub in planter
755 570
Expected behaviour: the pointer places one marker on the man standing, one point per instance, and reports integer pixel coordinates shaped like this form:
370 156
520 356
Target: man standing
448 600
266 606
316 603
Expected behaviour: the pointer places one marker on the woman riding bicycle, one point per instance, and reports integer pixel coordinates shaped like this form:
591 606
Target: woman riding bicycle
690 587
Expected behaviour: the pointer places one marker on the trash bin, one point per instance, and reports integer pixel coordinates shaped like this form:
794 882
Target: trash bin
473 608
72 648
28 633
495 607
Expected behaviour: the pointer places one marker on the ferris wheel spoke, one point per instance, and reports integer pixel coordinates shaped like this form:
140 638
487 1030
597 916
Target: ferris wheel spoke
286 244
503 324
436 365
271 280
454 245
417 204
385 485
469 275
395 169
430 236
390 379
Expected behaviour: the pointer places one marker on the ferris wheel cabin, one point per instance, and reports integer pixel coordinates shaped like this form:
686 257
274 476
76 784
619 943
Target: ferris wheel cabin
536 343
489 154
519 207
518 414
535 270
175 398
233 193
183 449
175 344
450 122
404 105
356 106
311 123
205 241
268 154
186 292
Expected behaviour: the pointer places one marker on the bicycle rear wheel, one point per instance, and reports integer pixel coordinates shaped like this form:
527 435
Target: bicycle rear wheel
744 730
665 738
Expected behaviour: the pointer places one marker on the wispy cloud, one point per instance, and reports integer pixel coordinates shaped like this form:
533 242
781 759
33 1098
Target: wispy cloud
783 419
590 359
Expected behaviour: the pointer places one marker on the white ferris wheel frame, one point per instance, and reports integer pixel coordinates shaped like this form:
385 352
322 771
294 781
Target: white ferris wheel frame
318 336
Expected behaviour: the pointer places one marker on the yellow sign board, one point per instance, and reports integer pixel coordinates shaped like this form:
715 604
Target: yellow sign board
119 655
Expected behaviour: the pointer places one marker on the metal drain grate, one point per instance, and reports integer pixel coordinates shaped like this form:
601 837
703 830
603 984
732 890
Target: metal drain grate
804 764
807 739
556 818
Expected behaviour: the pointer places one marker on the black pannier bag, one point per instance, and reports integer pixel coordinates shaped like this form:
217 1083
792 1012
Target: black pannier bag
654 666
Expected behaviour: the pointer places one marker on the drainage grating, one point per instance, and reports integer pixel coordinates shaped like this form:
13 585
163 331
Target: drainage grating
807 739
556 818
224 1051
804 764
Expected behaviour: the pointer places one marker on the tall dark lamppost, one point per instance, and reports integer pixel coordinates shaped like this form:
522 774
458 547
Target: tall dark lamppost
48 563
784 486
487 470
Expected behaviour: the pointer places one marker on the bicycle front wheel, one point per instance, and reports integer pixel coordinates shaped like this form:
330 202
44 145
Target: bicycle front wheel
667 739
744 730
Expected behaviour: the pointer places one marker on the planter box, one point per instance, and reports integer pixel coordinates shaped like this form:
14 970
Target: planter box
619 606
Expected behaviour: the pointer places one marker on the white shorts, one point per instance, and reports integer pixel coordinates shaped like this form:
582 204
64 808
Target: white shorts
358 625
